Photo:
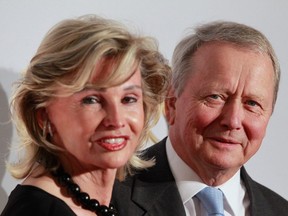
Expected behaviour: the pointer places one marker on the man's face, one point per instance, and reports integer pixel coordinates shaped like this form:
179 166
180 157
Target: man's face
219 121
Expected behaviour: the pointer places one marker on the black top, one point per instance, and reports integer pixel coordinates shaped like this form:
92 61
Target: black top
32 201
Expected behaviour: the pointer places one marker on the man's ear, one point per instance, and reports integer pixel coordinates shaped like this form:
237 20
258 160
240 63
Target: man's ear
170 108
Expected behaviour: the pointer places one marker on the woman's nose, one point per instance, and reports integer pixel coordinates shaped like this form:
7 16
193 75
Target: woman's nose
114 117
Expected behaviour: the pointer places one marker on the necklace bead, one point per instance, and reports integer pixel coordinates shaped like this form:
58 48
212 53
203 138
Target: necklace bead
82 198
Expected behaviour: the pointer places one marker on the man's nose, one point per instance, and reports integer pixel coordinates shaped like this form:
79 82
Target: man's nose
232 115
114 116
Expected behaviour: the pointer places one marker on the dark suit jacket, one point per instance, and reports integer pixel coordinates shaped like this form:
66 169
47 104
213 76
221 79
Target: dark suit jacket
154 192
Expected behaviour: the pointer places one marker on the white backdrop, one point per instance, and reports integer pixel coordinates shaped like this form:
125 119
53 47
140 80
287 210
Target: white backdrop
23 24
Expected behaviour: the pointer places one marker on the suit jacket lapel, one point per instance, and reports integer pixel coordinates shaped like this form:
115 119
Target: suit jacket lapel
156 190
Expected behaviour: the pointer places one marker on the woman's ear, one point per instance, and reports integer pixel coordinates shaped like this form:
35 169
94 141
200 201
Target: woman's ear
43 122
41 117
170 106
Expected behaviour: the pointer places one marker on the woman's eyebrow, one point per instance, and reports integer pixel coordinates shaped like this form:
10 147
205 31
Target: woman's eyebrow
132 87
126 88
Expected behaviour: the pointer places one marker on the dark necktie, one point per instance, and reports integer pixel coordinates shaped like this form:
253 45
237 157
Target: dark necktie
212 200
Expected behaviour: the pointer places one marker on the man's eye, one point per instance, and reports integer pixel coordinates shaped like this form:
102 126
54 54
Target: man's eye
214 96
126 100
252 103
90 100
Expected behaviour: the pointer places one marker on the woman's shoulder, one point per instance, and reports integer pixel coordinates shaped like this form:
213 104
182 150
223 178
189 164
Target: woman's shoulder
31 200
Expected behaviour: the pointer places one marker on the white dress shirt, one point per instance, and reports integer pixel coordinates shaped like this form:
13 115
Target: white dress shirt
236 201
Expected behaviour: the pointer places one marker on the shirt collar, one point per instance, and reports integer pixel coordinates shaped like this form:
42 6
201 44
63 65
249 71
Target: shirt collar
189 183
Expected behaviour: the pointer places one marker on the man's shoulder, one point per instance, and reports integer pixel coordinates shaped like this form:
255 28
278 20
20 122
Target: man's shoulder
155 173
155 150
264 201
267 193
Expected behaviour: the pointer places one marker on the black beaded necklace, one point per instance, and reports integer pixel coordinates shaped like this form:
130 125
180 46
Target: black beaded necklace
82 198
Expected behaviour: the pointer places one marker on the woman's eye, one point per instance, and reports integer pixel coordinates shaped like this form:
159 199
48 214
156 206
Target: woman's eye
127 100
90 100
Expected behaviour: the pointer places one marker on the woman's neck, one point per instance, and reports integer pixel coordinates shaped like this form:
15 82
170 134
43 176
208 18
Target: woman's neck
97 183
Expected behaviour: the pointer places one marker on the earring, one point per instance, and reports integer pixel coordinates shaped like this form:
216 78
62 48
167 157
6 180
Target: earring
49 129
46 126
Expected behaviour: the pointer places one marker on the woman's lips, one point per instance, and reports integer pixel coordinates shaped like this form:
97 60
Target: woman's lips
113 144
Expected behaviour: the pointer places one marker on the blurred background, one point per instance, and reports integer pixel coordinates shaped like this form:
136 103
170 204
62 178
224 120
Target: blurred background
24 23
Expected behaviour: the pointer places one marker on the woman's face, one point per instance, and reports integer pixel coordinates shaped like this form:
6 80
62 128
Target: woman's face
99 128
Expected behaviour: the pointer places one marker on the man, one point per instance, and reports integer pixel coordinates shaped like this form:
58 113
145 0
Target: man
224 88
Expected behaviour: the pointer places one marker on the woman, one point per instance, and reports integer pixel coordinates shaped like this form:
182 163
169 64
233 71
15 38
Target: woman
89 96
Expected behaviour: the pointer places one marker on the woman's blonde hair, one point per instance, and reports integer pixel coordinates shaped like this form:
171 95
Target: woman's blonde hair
67 58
